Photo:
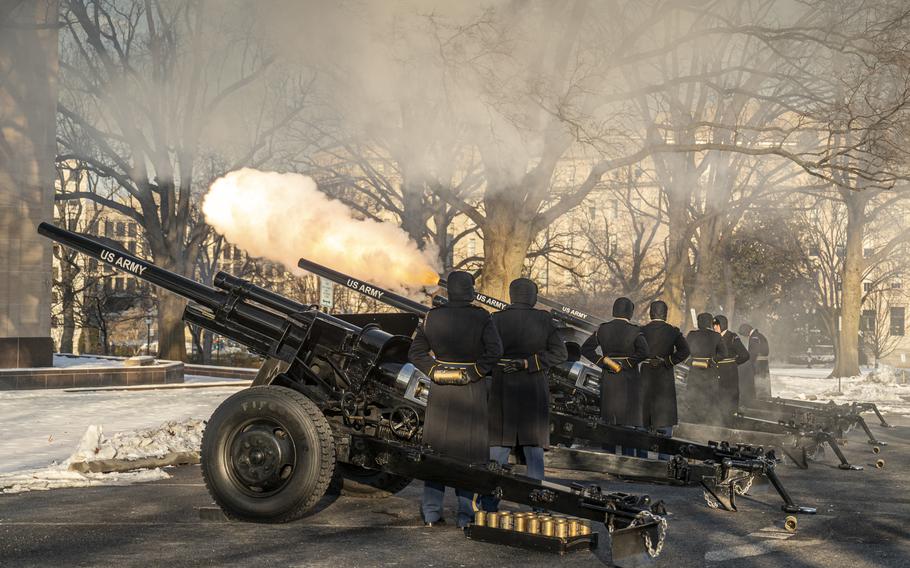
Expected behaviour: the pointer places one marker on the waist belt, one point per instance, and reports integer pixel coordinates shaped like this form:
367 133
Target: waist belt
761 358
615 364
452 373
727 361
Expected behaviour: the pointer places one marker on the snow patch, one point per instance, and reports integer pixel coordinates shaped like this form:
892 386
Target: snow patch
84 362
168 438
885 388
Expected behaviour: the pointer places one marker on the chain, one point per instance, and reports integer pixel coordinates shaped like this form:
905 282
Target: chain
744 487
710 501
646 517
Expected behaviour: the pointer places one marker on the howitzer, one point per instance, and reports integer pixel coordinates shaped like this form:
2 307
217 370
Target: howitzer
839 418
796 436
332 393
724 471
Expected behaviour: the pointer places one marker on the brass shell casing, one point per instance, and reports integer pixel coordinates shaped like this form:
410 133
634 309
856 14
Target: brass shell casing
612 365
584 528
533 524
480 518
700 364
573 527
548 527
505 521
521 523
562 528
493 520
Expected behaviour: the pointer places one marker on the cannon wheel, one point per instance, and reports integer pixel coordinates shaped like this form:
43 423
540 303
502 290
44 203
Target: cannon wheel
267 455
363 483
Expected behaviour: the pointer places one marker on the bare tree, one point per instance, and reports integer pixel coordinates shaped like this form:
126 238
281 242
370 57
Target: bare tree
147 89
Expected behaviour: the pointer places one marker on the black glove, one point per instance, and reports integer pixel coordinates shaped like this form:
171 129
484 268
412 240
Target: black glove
473 375
514 365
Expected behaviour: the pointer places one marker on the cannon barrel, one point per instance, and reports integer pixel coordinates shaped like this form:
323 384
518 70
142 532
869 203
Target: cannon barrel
568 316
118 258
212 303
370 290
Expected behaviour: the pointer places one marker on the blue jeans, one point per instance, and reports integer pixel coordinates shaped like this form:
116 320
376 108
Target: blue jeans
434 493
666 431
533 455
500 454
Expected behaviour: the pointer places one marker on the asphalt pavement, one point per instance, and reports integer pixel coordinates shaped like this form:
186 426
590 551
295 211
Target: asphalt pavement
863 519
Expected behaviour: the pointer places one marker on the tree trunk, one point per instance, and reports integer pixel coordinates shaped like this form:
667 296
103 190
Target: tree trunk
207 340
171 329
729 292
506 240
847 348
69 321
677 259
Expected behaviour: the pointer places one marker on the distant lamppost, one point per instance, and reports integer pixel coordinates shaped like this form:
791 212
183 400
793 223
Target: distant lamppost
148 330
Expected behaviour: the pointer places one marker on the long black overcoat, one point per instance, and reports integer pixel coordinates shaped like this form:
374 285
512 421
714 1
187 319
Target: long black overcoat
666 348
728 373
620 393
456 422
520 401
702 384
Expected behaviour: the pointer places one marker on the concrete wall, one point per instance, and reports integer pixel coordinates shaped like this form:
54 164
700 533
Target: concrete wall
28 102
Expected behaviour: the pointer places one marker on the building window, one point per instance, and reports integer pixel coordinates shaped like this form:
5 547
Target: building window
896 284
109 228
92 265
118 284
121 229
131 246
131 228
868 251
867 321
897 321
472 246
867 286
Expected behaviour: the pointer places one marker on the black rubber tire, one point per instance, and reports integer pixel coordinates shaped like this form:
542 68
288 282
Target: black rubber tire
362 483
314 451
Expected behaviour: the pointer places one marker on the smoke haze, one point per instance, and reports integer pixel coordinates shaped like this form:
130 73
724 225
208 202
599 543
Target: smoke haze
283 217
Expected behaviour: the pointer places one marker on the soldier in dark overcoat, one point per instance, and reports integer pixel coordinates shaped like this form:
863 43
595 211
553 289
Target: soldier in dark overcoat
619 341
762 352
520 397
706 348
747 369
456 335
728 369
666 348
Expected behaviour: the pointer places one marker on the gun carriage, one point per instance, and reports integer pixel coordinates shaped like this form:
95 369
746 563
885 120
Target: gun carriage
334 398
724 470
799 433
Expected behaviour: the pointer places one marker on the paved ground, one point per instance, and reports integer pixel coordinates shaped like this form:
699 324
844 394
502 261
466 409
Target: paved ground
862 521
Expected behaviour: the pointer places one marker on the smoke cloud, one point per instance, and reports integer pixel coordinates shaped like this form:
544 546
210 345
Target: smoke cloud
283 217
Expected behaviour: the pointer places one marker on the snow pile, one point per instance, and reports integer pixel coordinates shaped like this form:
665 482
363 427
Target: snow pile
60 477
168 438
